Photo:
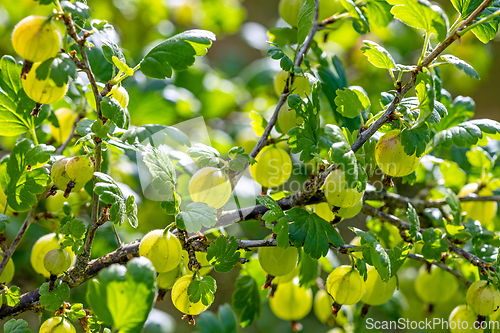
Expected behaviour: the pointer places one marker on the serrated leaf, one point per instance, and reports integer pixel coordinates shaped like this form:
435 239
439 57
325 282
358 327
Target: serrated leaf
27 175
466 134
161 169
176 53
374 253
305 21
461 65
415 222
421 14
4 220
415 140
196 216
147 134
122 297
77 311
60 70
379 13
424 88
52 300
377 55
341 153
350 102
434 244
77 9
311 232
305 140
359 21
12 296
16 326
131 211
275 214
223 254
203 289
111 109
110 193
246 300
487 30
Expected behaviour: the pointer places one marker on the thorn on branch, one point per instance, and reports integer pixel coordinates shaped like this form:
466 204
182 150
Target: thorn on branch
269 281
69 187
161 295
364 310
52 191
36 110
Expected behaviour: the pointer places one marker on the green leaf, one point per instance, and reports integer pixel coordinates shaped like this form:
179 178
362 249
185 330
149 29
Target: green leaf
77 311
16 326
398 256
176 53
305 22
111 109
350 102
466 134
195 216
415 140
77 9
421 14
312 232
52 300
74 232
239 159
374 253
122 297
27 175
59 69
459 110
225 322
465 7
12 296
454 176
161 168
275 214
415 222
4 220
203 289
359 21
110 193
15 106
308 271
461 65
258 123
110 50
305 140
487 30
434 244
246 300
377 55
205 154
223 254
379 13
424 88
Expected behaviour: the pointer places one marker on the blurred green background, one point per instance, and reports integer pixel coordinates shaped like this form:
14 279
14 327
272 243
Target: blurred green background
235 78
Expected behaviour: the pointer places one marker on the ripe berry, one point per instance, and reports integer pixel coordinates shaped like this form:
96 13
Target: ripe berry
465 316
42 91
117 92
42 246
57 261
80 170
483 298
167 280
36 39
273 167
163 249
180 297
65 117
438 286
345 285
391 157
291 302
8 272
377 291
211 186
201 257
300 84
278 261
336 192
57 325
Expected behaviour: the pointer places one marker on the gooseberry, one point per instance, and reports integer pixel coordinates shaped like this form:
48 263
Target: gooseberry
36 38
460 316
57 325
273 167
483 211
336 192
377 291
300 84
211 186
57 261
42 91
324 211
80 170
350 212
287 119
391 157
345 285
323 307
291 302
483 298
180 297
117 92
436 286
8 271
42 246
162 248
278 261
288 277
